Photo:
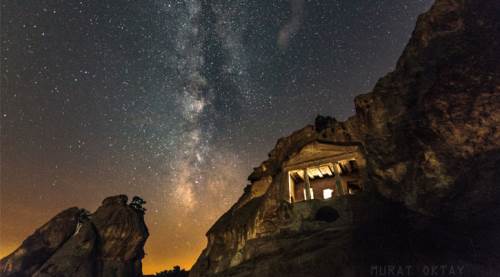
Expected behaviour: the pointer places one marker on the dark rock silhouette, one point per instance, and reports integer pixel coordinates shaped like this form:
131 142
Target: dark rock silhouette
41 245
175 272
108 242
429 134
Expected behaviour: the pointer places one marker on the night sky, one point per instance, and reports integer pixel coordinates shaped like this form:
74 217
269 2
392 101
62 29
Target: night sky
174 101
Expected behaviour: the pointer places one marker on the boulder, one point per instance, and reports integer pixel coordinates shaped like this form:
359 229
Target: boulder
41 245
75 258
107 243
122 234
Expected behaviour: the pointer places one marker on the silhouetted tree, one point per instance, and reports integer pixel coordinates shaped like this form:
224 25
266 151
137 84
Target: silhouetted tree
137 203
84 216
175 272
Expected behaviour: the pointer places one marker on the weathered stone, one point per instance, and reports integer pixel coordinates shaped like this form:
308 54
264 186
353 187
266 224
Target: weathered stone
75 258
42 244
122 233
109 243
429 134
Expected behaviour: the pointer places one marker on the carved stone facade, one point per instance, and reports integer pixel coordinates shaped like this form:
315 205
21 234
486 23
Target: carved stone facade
427 144
323 170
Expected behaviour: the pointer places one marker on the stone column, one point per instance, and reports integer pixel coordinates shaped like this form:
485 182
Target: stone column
338 180
308 185
290 188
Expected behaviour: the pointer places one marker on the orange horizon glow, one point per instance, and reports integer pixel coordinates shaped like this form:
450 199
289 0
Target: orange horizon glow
149 266
176 231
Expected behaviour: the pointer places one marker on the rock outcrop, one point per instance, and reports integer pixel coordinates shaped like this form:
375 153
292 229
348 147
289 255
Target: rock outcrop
429 132
108 242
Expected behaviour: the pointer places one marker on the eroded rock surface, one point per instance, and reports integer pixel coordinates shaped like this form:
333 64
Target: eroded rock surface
42 244
429 134
108 243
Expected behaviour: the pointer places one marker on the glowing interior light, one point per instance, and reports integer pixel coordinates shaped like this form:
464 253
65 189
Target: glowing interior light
327 193
311 192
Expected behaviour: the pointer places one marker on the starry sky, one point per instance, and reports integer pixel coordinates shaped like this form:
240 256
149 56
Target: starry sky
172 100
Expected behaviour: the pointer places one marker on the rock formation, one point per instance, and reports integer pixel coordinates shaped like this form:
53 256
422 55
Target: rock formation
108 242
429 132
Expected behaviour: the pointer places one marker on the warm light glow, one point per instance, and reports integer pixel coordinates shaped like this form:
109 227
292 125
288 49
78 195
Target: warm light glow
6 249
158 265
291 191
327 193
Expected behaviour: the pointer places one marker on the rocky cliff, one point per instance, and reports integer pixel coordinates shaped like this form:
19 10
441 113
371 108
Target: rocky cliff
429 134
108 242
